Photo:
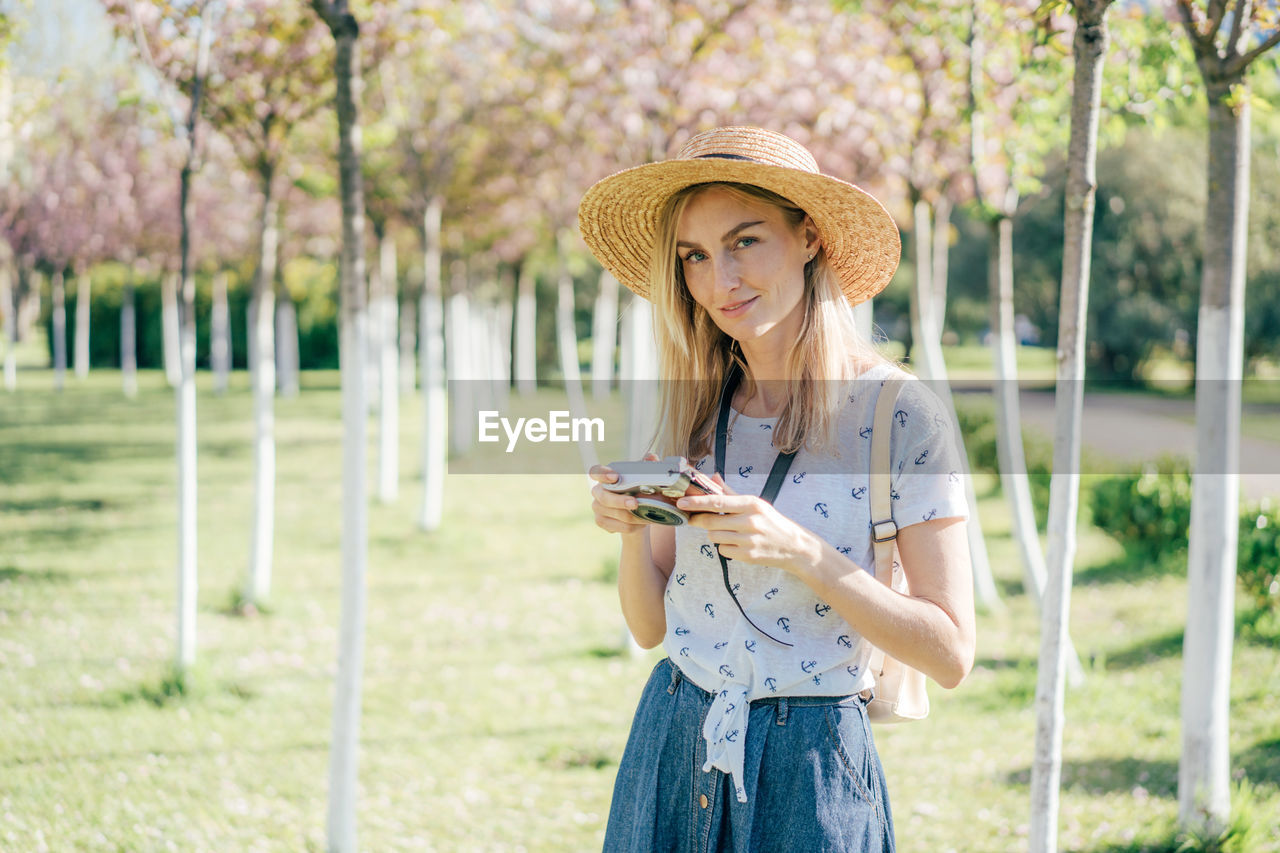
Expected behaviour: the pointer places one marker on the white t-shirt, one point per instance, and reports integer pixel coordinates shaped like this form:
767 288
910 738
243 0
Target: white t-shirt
828 494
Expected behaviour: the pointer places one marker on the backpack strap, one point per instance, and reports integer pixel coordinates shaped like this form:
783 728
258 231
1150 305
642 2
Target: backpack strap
883 528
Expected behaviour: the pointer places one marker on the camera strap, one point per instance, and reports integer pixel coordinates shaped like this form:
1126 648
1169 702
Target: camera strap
771 487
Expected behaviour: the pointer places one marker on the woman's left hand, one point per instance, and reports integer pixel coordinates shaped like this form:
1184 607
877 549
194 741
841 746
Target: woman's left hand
751 530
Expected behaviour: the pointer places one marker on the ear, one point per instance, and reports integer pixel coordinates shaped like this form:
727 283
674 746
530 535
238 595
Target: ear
812 242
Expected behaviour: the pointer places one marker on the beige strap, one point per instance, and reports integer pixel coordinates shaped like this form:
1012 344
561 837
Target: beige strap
883 529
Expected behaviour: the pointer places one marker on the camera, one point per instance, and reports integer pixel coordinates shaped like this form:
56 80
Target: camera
658 484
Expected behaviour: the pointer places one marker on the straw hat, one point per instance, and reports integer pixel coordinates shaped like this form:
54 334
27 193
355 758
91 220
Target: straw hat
618 216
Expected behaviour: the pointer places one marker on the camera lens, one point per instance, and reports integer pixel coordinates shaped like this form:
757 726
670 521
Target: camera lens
659 512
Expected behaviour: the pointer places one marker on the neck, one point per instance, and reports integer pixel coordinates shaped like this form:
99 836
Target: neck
765 395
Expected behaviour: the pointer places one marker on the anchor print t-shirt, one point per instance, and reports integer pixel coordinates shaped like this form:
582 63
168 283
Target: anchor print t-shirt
828 493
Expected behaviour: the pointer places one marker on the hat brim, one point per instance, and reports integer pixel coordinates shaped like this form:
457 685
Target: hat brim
618 218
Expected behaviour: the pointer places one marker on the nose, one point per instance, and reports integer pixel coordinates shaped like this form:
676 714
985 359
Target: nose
726 274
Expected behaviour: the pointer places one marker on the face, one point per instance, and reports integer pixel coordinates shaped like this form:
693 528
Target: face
744 263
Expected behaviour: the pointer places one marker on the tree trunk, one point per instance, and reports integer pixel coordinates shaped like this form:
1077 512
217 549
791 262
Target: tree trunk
10 308
462 407
185 346
567 344
1203 772
82 325
286 344
1056 652
408 371
373 336
341 823
863 320
926 350
604 335
1009 447
170 329
58 302
500 346
263 376
932 367
941 266
220 334
638 374
481 355
526 332
431 353
389 410
129 339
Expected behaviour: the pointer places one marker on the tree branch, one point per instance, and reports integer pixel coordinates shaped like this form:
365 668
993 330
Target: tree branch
1237 27
1243 62
1200 43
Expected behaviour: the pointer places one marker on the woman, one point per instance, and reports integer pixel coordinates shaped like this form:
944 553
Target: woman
753 734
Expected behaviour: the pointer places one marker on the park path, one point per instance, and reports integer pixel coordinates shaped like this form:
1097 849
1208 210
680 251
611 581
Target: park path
1132 428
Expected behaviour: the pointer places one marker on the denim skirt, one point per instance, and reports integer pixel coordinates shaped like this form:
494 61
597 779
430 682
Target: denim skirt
813 778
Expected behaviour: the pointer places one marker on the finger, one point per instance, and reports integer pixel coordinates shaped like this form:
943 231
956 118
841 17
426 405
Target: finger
651 457
716 503
612 500
603 474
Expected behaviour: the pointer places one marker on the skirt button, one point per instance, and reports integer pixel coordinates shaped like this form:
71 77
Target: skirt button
702 801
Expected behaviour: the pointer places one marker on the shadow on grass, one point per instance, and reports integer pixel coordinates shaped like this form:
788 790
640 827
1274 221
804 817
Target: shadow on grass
1261 762
578 758
1011 587
17 575
1147 650
54 504
1120 775
1132 568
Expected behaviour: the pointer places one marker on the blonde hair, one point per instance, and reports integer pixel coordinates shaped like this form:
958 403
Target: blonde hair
694 355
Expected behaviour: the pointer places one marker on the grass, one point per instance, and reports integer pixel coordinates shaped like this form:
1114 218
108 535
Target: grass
497 694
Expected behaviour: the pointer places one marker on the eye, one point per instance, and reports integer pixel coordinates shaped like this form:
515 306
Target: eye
744 242
694 257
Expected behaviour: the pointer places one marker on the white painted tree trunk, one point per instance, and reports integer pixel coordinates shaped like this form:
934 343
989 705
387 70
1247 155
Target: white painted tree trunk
220 334
931 366
927 352
864 320
408 370
81 359
287 381
9 305
169 329
1056 652
462 407
604 335
567 344
526 333
187 479
373 340
345 742
129 340
480 354
58 304
431 353
1009 448
1204 794
500 346
941 258
638 372
263 378
389 355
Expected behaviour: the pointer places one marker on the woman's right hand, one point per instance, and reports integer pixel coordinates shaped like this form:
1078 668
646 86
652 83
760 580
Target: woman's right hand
613 511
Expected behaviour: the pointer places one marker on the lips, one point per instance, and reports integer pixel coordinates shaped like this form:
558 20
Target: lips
738 308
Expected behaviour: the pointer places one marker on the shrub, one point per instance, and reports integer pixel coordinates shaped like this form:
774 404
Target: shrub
1149 513
1258 560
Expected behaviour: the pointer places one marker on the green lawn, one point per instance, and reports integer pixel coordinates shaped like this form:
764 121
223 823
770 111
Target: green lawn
496 697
